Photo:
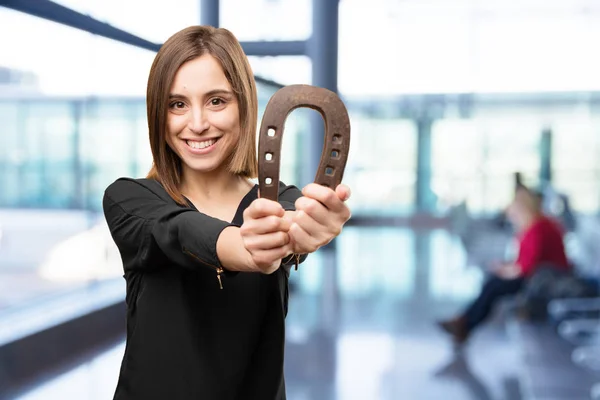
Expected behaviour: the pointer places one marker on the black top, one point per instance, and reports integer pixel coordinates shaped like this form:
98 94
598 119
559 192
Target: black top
186 337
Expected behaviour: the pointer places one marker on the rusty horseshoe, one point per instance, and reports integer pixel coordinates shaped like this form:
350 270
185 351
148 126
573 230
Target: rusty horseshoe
335 147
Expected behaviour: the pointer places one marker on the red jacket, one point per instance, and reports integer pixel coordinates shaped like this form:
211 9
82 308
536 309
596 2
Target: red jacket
541 243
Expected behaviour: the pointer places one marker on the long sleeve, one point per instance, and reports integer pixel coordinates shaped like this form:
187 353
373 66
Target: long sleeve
530 252
147 228
288 194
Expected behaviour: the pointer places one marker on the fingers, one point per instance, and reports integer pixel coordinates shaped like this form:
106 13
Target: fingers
332 200
304 241
320 212
268 261
313 208
321 233
264 225
343 192
263 208
265 234
323 194
287 220
266 250
266 241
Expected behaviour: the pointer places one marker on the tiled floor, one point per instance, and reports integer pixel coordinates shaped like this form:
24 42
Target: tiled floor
371 336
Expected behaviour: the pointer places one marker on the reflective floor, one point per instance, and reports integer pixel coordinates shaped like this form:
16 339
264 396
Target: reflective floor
361 326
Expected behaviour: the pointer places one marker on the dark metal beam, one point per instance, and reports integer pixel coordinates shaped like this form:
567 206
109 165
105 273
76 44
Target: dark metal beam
323 48
546 156
277 48
209 12
323 51
57 13
268 82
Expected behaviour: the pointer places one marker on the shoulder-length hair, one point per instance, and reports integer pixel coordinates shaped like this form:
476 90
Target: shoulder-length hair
184 46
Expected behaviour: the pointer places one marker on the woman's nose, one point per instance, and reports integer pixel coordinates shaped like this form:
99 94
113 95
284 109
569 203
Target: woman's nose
198 122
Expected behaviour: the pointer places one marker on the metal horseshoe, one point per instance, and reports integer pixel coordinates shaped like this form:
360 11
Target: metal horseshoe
335 147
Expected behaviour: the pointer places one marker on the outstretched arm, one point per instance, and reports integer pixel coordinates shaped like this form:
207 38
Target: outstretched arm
151 232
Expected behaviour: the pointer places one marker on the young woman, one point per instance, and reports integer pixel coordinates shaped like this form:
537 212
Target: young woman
206 261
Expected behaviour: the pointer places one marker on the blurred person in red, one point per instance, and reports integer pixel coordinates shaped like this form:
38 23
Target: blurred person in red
540 241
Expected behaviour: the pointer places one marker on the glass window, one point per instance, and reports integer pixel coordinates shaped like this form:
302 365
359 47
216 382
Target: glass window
441 46
475 159
67 62
114 143
576 161
381 167
254 20
285 70
47 153
153 21
430 50
10 157
456 162
368 262
38 158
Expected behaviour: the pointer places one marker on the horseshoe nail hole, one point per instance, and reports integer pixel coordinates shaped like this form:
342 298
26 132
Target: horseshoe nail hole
329 171
268 181
335 154
271 132
268 156
337 139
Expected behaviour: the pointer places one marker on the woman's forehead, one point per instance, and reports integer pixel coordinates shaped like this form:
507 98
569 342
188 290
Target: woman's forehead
199 76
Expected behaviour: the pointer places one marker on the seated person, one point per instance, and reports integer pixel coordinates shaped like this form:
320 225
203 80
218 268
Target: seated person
540 243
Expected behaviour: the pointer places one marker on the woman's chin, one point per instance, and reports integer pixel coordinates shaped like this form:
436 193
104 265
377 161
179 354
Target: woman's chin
201 167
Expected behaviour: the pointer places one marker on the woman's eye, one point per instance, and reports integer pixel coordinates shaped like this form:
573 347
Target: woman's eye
178 104
216 101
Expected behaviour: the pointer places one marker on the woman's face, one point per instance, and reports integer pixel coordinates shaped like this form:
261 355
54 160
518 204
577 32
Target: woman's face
514 213
203 116
520 211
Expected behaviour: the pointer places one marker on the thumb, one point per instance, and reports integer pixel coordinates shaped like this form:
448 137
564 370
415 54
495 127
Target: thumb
343 192
286 222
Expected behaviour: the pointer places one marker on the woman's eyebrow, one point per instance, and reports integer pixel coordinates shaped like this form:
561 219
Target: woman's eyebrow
173 96
218 91
210 93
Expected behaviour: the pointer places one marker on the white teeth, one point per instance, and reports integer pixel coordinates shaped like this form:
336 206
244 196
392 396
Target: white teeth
200 145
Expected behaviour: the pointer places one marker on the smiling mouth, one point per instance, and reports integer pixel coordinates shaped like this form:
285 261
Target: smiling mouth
201 144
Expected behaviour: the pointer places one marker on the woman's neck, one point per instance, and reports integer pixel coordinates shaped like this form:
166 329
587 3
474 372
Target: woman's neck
213 186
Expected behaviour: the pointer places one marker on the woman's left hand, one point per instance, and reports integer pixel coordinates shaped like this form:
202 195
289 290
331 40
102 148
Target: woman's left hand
319 217
508 271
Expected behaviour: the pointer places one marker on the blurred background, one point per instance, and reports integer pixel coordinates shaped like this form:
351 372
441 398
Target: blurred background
449 100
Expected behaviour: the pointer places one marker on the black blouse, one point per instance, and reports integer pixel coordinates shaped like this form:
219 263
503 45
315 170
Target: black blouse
194 330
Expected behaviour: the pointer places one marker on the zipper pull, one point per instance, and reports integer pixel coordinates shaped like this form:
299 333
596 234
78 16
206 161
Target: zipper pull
297 257
219 272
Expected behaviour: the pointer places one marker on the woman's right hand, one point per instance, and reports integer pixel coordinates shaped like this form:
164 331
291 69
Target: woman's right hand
265 235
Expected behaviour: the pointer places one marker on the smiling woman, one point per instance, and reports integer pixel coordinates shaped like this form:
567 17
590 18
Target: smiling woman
200 78
197 217
203 117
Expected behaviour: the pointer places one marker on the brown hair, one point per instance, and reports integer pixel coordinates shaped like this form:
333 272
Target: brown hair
184 46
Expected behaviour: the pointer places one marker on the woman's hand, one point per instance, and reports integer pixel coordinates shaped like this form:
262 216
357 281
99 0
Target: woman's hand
265 235
508 271
319 217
